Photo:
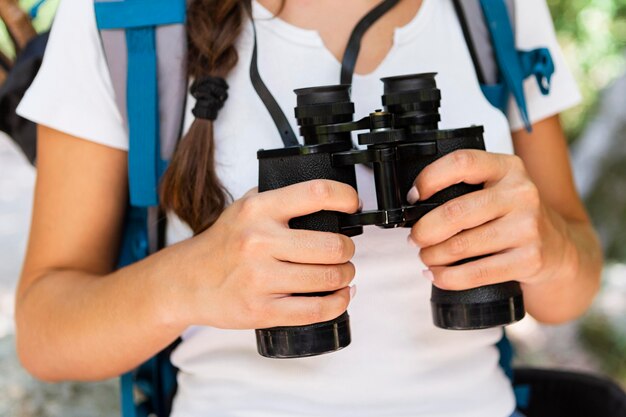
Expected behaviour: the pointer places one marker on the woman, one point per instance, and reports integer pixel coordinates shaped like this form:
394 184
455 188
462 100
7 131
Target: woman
78 318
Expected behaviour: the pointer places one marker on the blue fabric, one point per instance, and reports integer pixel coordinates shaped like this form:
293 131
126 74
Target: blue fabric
517 414
522 395
503 40
168 374
34 10
506 355
497 95
123 14
507 352
539 63
127 398
515 66
134 245
144 165
134 248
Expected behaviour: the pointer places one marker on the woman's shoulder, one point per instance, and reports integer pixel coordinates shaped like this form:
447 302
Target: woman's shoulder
73 92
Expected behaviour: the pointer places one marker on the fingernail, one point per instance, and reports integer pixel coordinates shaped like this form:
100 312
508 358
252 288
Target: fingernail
413 195
428 274
352 291
411 242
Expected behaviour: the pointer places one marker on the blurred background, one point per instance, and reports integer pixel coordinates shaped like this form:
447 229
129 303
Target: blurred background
593 36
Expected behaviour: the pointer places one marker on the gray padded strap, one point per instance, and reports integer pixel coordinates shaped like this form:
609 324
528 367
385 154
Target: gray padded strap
481 38
114 45
172 73
172 76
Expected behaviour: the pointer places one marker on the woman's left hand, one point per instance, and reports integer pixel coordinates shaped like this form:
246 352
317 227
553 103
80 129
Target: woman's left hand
527 241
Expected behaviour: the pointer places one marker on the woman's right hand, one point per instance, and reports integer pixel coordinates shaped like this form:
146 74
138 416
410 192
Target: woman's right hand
243 270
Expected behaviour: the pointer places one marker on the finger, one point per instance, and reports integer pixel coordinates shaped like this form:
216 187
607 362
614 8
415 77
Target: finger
513 265
492 237
300 311
306 198
468 165
289 278
462 213
312 247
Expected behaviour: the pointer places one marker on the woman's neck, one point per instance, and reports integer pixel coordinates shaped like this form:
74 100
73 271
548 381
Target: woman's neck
334 21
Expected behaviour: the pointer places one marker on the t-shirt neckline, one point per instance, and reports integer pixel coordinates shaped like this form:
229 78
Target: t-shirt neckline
311 37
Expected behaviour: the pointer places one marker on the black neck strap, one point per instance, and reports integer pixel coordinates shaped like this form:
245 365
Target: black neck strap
351 54
280 120
347 69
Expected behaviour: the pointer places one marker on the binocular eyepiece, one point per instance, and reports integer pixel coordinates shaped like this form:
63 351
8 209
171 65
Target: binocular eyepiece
400 140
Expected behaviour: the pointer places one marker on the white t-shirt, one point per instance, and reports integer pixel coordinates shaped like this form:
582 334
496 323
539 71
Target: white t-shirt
398 364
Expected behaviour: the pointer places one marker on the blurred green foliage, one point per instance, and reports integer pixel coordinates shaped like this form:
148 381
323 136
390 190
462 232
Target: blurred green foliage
41 22
601 336
592 34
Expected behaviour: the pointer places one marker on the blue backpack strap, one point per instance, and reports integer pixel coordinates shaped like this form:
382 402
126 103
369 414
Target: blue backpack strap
501 68
510 61
507 353
138 19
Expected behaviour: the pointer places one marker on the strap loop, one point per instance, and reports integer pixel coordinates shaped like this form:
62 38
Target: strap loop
539 63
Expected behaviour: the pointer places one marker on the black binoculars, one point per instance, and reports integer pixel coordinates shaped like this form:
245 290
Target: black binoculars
400 141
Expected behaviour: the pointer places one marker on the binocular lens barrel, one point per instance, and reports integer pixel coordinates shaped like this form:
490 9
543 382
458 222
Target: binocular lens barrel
319 106
414 100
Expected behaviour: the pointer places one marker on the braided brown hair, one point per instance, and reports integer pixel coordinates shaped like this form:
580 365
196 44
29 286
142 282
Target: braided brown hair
190 187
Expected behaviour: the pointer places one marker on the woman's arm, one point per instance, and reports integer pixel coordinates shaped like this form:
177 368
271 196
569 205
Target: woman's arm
74 321
573 286
77 319
528 217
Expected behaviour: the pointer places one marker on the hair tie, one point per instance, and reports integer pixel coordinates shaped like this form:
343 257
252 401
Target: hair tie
210 94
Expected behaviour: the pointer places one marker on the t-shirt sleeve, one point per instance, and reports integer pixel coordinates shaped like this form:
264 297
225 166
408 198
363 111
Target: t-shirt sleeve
534 29
73 92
